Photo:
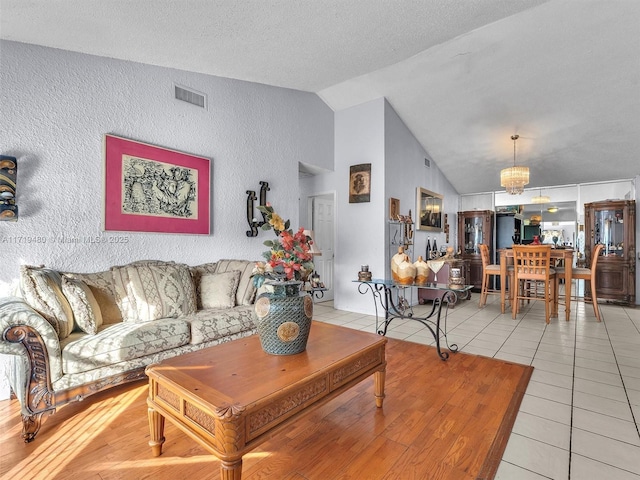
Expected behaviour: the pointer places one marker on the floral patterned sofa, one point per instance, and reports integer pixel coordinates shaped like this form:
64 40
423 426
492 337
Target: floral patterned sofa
70 335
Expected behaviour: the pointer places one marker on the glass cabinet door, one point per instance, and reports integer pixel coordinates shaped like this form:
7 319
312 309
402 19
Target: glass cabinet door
473 234
609 230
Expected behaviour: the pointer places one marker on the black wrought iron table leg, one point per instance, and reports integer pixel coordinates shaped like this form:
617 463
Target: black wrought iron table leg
383 295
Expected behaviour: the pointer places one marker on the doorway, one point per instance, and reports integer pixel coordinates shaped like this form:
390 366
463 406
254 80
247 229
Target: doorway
322 214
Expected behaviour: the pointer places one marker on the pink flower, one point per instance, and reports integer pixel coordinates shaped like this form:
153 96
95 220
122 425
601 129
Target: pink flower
288 255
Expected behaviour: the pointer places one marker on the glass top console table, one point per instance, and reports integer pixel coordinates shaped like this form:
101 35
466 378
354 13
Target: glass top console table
382 292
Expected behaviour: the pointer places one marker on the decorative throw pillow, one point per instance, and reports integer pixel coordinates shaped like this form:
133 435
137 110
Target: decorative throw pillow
161 291
196 273
124 297
246 291
86 310
219 290
41 288
103 290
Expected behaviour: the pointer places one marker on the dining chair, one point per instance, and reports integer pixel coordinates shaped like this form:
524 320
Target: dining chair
581 273
532 266
489 270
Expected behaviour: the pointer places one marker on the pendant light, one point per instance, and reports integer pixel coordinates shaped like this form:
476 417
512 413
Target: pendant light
541 198
514 178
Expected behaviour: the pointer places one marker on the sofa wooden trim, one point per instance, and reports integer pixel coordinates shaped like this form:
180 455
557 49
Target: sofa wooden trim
41 398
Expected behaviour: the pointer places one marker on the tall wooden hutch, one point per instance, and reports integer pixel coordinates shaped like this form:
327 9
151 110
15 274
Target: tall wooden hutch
612 223
475 227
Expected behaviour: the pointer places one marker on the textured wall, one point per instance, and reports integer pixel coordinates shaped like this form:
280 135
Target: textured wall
56 107
360 227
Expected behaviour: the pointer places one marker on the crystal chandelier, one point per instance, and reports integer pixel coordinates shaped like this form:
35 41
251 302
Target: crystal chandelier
514 179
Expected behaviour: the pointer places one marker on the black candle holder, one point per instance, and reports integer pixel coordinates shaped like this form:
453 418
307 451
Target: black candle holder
254 224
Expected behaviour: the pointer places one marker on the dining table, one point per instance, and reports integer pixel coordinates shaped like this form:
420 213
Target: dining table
558 254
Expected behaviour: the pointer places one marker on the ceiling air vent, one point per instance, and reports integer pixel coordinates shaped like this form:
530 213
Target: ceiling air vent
427 162
190 96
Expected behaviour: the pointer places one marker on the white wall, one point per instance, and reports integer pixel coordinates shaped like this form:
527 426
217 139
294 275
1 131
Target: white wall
56 107
360 227
480 201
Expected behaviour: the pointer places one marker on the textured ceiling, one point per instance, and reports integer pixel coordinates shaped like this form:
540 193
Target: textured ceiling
464 75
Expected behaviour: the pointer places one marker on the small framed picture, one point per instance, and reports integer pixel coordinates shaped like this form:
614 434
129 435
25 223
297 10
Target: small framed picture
394 208
429 207
360 183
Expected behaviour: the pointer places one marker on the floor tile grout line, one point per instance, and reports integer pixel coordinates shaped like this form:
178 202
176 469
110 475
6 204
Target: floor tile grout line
624 386
528 470
606 436
573 391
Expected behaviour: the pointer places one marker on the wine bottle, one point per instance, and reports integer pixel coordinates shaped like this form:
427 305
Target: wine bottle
428 252
434 248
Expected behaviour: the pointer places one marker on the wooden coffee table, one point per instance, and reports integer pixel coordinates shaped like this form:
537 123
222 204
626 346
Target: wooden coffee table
232 397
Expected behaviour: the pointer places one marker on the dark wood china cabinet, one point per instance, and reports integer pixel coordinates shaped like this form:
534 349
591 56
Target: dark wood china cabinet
613 224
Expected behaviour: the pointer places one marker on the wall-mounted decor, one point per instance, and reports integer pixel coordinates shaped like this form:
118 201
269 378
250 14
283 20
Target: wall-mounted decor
446 228
8 173
154 189
360 183
254 224
517 209
429 207
394 208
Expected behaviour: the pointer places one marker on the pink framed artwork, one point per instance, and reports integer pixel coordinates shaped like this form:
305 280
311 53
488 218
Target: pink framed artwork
154 189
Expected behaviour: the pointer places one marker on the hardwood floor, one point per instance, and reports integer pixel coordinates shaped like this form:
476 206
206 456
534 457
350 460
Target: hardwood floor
440 420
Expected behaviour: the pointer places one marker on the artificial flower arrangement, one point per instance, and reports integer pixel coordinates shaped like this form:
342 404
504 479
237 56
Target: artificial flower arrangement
289 256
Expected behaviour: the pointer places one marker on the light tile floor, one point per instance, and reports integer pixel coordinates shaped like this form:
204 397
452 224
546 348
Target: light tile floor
579 417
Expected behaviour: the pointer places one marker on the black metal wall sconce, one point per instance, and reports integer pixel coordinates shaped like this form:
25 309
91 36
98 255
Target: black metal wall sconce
8 172
254 224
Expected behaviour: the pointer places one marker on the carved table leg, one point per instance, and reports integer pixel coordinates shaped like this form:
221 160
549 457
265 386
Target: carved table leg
231 469
156 429
30 426
378 385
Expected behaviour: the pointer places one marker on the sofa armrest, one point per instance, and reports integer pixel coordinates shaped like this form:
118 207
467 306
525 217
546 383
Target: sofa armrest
34 345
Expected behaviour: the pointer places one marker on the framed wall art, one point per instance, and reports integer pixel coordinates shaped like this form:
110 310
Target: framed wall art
360 183
394 208
154 189
429 208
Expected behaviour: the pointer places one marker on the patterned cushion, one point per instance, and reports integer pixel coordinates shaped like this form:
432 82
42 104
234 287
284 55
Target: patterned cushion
122 341
41 288
246 291
161 291
218 290
103 289
122 288
196 274
86 311
208 325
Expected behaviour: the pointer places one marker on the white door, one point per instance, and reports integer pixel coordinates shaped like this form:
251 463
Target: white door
323 229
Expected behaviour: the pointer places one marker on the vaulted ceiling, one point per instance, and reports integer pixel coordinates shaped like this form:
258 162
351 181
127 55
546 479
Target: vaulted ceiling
464 75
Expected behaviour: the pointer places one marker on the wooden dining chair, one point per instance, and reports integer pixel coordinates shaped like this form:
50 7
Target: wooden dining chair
579 273
532 266
489 270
